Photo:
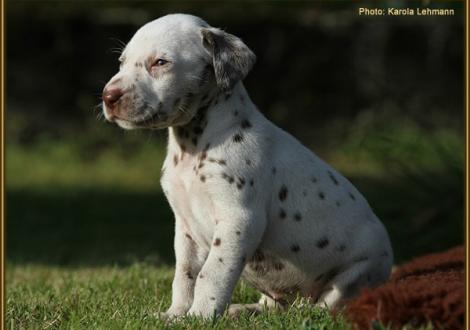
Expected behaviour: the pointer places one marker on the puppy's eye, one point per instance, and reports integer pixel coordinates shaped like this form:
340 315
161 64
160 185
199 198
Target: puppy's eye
159 62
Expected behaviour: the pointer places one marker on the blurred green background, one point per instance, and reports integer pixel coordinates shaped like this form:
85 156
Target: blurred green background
380 98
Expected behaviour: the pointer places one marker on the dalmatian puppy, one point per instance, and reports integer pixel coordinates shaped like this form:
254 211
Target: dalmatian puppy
248 198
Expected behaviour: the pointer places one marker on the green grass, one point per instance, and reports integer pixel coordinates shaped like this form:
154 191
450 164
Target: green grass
90 233
45 297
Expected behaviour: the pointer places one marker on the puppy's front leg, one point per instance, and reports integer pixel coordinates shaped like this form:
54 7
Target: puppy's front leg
188 264
235 239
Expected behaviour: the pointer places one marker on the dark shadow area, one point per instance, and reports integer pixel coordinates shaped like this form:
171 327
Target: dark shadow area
417 225
88 227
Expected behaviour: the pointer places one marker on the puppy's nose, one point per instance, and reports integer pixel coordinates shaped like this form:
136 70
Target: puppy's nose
111 96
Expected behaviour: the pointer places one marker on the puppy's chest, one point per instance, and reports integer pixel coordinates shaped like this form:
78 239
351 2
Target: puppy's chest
185 186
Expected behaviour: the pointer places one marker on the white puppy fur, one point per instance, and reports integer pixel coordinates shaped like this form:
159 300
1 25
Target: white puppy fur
248 198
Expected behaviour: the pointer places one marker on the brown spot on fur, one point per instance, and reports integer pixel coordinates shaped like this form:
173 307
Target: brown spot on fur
221 260
238 138
189 275
278 266
297 216
203 178
245 124
295 248
283 193
240 183
175 160
188 236
352 196
323 243
332 177
314 179
238 232
217 242
282 214
258 256
321 195
235 113
274 170
212 298
338 204
227 177
222 162
252 182
259 268
248 162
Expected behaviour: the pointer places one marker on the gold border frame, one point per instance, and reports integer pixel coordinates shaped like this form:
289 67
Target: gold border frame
2 165
466 116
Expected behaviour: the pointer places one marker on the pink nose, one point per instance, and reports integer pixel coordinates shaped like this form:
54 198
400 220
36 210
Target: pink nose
111 96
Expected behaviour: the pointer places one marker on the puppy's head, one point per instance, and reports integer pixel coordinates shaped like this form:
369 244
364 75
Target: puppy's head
167 70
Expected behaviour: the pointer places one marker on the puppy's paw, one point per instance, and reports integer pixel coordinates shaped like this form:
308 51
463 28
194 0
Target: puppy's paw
236 309
172 314
206 313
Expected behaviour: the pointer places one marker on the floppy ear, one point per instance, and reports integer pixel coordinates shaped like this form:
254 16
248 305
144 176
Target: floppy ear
232 59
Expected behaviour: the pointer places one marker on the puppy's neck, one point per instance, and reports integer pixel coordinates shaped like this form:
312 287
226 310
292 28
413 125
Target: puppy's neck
217 113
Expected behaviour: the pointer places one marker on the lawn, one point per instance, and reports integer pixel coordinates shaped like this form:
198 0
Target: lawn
90 233
110 297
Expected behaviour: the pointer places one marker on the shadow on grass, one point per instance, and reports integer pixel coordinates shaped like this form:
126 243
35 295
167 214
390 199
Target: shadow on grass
102 227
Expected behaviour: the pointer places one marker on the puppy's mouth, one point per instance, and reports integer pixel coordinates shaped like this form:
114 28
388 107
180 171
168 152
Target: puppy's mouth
156 120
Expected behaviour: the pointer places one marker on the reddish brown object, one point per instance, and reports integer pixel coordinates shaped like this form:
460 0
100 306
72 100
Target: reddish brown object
427 289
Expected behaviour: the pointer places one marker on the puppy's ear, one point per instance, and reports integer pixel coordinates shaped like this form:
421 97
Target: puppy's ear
232 59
